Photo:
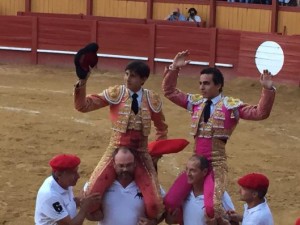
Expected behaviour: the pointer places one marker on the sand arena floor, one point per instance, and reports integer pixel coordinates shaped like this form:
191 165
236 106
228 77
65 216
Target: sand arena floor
38 120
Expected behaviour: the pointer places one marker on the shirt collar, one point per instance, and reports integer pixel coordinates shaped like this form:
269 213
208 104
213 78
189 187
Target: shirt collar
128 186
256 208
57 187
215 100
200 197
139 93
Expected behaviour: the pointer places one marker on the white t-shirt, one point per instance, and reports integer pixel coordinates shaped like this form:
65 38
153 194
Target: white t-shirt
122 206
258 215
194 209
53 203
197 19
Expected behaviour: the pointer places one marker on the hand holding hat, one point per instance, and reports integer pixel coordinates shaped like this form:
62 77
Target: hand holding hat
85 59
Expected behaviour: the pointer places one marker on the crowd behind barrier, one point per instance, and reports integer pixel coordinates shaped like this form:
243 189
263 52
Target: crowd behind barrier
115 19
235 15
233 49
268 2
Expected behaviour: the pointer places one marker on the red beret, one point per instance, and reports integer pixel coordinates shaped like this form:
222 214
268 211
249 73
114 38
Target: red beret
161 147
297 222
63 162
254 181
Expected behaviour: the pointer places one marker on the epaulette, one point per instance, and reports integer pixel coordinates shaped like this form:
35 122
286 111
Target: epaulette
114 94
154 100
231 103
195 99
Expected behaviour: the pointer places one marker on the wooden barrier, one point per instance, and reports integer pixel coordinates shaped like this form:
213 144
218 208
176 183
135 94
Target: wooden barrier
290 21
244 17
58 6
54 41
290 46
11 7
220 14
177 23
228 46
55 15
116 19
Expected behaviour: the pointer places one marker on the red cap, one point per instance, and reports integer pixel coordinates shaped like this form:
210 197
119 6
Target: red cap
297 221
254 181
64 162
161 147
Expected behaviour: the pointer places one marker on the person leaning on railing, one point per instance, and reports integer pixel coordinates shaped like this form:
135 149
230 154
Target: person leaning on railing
176 16
193 17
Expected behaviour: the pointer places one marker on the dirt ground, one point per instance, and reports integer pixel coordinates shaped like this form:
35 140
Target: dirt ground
38 120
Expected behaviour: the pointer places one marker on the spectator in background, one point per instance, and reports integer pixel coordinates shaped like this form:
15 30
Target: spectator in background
283 2
193 17
289 2
176 16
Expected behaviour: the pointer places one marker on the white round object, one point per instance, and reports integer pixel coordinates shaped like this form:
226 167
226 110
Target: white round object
269 56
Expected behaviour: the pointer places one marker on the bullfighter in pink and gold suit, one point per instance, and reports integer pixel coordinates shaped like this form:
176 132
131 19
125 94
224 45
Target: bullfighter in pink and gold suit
130 128
214 117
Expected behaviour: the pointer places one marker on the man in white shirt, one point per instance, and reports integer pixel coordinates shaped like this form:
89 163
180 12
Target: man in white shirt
123 203
55 202
193 210
253 188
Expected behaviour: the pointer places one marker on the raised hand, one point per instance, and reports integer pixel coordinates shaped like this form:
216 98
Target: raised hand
85 59
234 216
180 59
266 79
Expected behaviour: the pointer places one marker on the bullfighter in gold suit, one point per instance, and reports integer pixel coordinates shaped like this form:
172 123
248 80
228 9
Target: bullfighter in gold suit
132 108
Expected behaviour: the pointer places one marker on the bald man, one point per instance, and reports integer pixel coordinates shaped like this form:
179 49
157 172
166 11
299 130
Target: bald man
123 196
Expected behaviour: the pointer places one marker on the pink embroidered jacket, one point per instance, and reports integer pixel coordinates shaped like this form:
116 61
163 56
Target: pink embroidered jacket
227 111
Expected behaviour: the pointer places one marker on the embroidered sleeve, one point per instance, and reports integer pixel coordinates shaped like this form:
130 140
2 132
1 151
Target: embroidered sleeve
154 101
114 94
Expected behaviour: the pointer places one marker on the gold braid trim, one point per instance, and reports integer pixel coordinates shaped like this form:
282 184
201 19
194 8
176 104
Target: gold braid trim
219 166
231 103
195 99
114 94
154 100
